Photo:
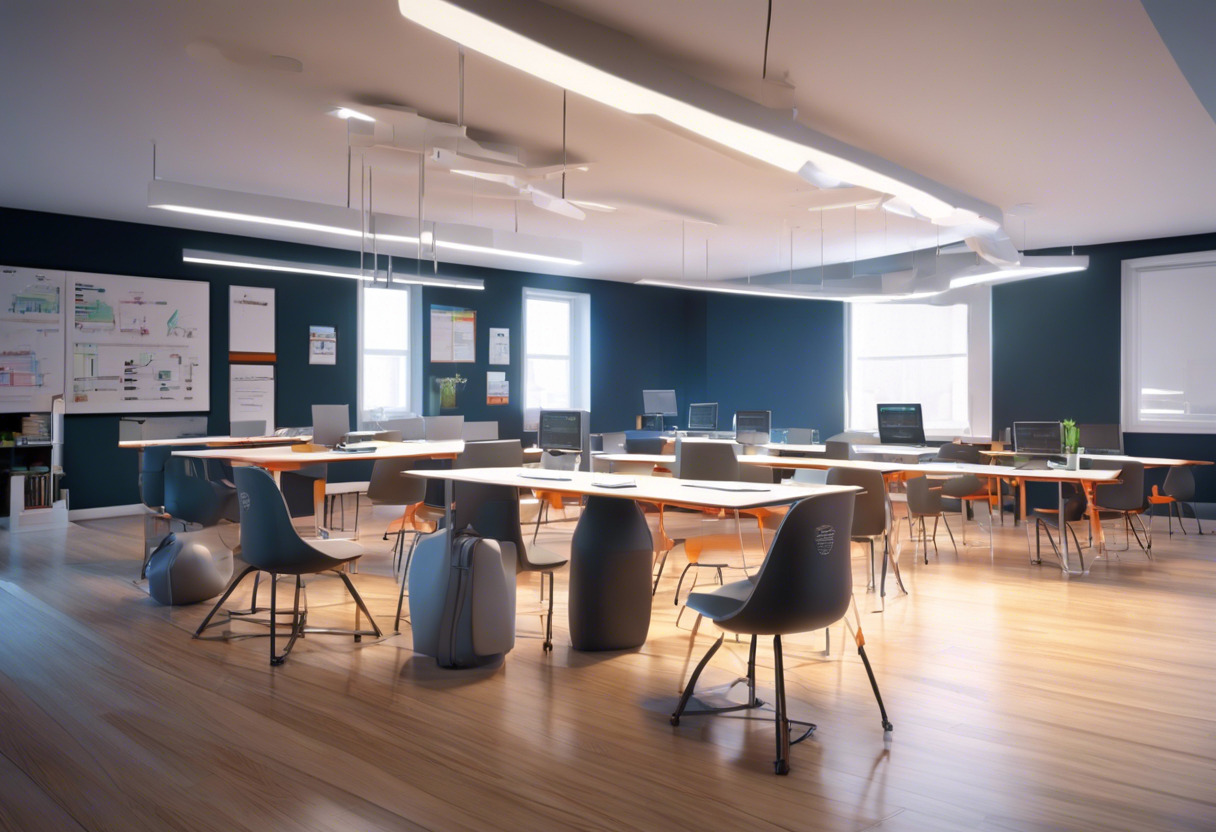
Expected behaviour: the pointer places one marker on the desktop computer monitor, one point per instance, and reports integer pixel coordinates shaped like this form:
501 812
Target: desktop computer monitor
703 416
651 421
1100 439
753 427
1038 438
662 402
901 424
330 422
566 430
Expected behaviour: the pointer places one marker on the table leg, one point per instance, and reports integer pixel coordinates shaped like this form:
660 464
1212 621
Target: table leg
1063 526
1022 500
610 563
1095 520
318 506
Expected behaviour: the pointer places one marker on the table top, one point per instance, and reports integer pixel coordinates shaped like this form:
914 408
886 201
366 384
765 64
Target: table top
947 469
214 441
653 459
798 449
1148 461
649 489
283 458
894 450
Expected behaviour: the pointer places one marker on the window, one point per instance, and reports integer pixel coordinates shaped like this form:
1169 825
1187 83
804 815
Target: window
934 355
557 352
386 380
1168 341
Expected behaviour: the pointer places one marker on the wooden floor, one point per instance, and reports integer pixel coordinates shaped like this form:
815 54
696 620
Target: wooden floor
1021 701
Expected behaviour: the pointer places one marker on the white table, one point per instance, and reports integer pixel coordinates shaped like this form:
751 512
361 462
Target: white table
213 441
284 458
611 552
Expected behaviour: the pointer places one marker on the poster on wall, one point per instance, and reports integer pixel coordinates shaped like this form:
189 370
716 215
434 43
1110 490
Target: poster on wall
498 389
137 344
500 346
453 334
322 345
250 319
31 339
251 394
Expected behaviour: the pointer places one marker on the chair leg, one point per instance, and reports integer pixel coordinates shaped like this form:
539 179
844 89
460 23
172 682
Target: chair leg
945 523
227 592
873 583
548 645
887 727
659 572
691 687
781 718
1198 522
359 605
680 583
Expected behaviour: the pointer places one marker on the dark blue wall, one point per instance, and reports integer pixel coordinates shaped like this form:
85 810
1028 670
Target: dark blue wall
783 355
1057 348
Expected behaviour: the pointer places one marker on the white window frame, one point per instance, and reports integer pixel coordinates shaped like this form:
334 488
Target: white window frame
580 347
978 300
1132 273
413 352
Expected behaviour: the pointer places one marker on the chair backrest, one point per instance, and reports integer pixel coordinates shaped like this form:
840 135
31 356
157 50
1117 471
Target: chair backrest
806 580
330 422
479 431
922 498
413 428
838 449
493 512
387 436
388 485
644 444
705 461
152 474
247 427
870 515
498 453
443 428
559 461
268 539
190 498
1179 483
1128 493
816 476
958 452
962 486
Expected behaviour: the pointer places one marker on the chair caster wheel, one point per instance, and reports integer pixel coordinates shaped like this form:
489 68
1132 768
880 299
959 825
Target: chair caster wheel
887 727
548 646
276 661
358 638
675 720
781 767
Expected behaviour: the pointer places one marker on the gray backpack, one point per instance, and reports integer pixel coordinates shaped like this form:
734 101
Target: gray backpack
462 605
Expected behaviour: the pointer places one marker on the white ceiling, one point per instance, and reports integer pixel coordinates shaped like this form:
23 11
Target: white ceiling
1076 108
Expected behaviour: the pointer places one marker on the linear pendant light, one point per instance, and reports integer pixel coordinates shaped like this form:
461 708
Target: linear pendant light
237 261
609 67
345 222
790 291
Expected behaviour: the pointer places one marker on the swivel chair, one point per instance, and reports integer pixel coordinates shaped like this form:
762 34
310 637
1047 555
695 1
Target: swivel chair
871 518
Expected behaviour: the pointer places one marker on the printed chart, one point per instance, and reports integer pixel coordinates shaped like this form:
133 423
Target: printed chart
31 339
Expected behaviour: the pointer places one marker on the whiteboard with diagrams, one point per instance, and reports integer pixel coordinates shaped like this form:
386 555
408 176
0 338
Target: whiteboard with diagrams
137 344
31 338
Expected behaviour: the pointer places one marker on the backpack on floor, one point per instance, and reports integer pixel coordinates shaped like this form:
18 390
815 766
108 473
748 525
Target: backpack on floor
462 604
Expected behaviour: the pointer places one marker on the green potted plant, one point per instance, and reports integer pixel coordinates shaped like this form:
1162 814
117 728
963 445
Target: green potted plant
1072 436
447 390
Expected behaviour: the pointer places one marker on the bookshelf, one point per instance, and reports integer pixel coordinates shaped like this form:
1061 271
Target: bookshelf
31 476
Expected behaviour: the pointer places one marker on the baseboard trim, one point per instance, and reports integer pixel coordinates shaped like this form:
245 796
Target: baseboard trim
106 511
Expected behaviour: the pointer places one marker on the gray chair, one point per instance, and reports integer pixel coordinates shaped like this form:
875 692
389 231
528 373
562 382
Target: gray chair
553 461
714 461
838 449
269 543
925 500
247 427
649 445
1125 500
804 584
1046 519
443 428
810 476
871 518
192 498
964 492
389 486
1178 489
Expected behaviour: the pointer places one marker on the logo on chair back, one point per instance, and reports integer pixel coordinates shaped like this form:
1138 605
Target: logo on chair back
245 501
825 537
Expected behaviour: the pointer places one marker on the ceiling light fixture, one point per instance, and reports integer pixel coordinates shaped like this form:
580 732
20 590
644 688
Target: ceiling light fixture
236 261
789 291
611 68
348 113
1030 267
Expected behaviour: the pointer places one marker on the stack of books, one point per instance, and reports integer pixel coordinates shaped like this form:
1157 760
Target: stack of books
35 428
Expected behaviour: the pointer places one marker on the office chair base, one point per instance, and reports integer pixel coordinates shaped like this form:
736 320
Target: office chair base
690 688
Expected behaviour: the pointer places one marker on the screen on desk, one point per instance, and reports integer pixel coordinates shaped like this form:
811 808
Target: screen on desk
1038 437
330 422
662 402
560 430
703 416
1100 439
901 424
753 427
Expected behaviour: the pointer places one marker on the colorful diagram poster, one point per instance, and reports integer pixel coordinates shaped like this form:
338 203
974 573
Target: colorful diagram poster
322 345
453 335
31 339
138 344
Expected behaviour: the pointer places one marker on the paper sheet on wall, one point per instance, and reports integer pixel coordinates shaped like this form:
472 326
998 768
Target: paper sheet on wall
251 393
453 335
498 389
250 319
31 339
322 345
500 346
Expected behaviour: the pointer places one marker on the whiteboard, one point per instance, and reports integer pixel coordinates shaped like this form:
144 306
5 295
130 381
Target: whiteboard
31 338
137 344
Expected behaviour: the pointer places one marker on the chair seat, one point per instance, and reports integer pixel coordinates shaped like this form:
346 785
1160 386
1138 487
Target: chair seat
542 560
334 488
722 601
337 548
